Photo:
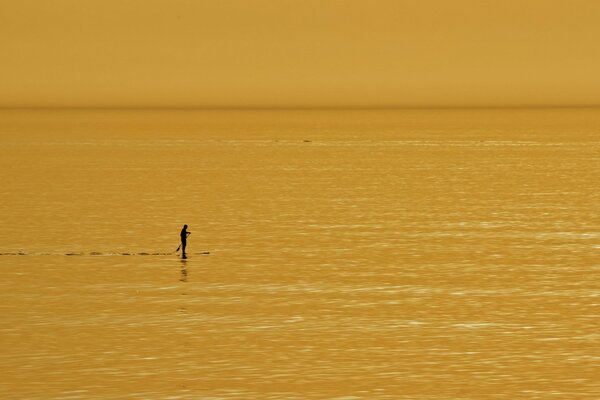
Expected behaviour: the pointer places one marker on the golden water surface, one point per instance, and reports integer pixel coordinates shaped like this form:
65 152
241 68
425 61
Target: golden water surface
352 254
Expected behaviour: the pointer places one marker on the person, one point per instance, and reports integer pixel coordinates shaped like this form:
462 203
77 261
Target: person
184 234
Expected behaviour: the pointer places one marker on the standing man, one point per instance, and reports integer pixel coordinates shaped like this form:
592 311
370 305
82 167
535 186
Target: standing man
184 234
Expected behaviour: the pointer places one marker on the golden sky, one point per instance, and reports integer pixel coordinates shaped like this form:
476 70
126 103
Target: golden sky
299 53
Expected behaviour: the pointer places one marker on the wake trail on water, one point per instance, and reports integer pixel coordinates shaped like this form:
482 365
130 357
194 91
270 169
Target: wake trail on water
95 254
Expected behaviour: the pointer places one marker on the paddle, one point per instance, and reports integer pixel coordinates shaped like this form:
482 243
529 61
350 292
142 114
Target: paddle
187 234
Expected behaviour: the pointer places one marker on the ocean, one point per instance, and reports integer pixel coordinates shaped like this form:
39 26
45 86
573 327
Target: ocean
334 254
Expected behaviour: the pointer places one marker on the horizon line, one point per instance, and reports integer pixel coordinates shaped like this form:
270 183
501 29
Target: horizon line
292 108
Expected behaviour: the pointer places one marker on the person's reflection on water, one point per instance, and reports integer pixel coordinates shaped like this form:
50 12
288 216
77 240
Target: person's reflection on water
184 234
184 272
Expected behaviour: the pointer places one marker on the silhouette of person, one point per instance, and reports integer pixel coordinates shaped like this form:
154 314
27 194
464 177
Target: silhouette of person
184 234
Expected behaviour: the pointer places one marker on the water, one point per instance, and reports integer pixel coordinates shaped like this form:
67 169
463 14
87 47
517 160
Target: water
352 255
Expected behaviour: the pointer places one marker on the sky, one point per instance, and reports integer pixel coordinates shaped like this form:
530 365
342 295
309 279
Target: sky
299 53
